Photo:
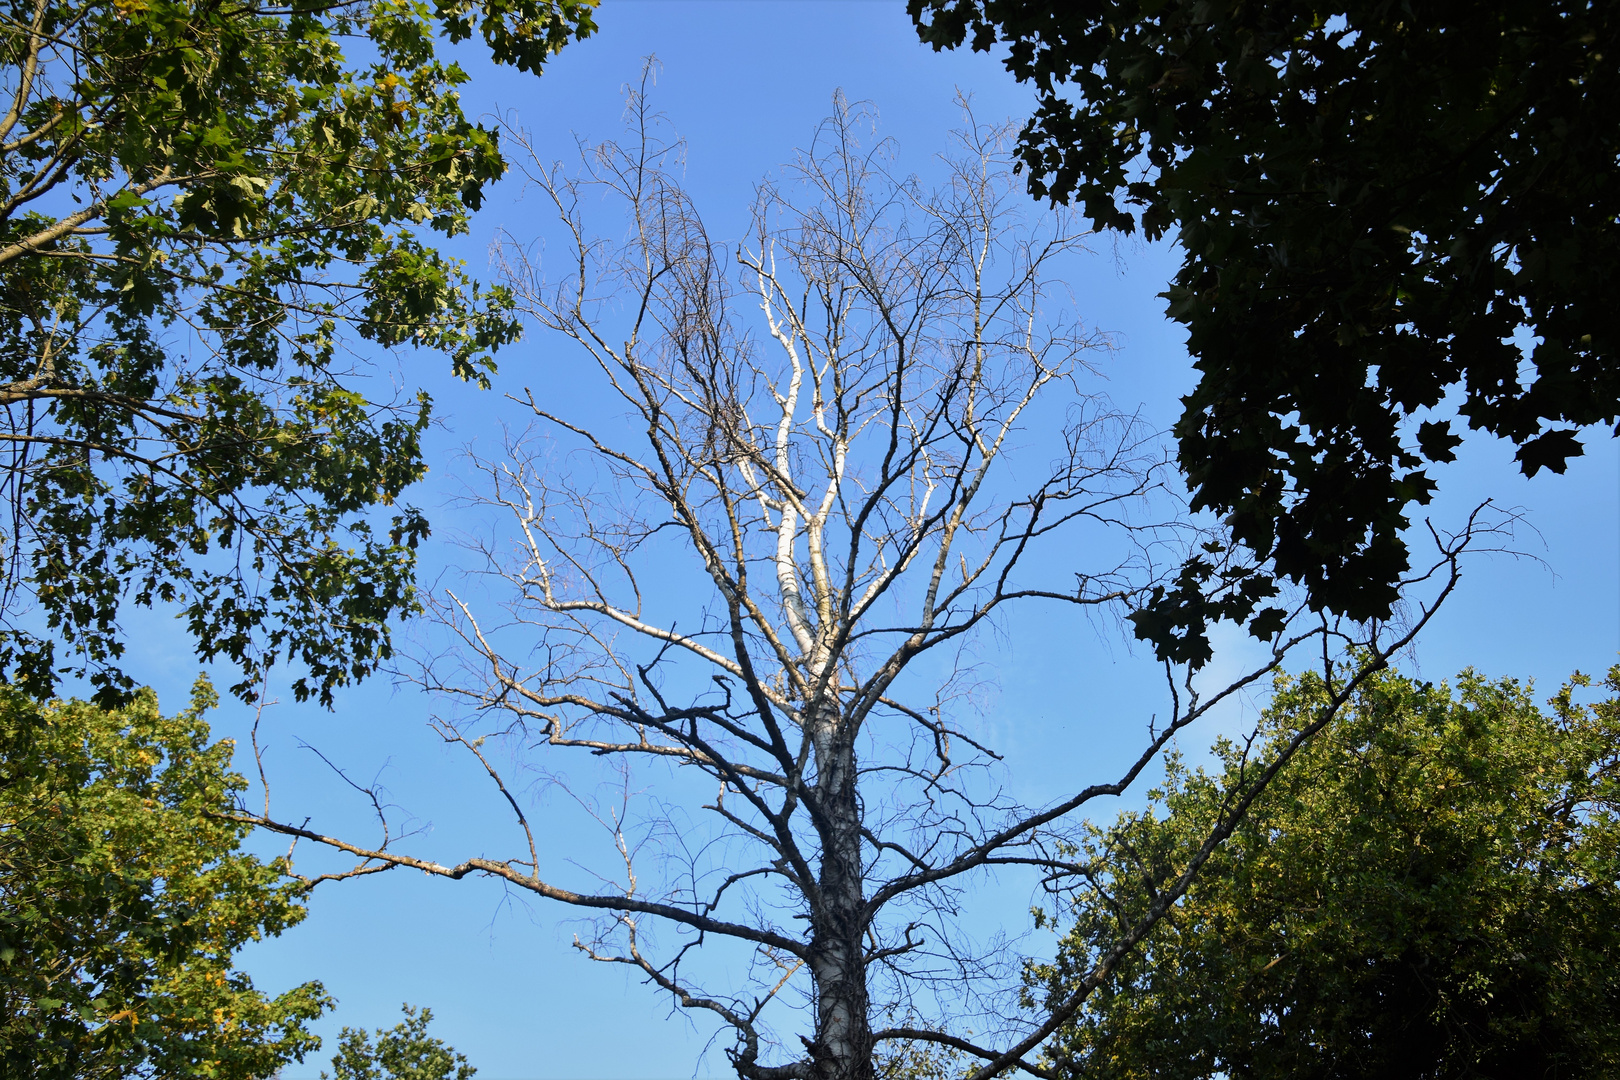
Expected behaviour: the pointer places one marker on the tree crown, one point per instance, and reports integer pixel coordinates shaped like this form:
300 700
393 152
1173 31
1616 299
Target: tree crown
204 210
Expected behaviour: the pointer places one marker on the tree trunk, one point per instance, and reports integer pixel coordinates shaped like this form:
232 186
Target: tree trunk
842 1049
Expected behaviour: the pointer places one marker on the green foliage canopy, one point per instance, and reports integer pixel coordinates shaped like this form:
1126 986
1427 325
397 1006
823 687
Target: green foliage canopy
204 210
1430 889
404 1052
123 900
1391 215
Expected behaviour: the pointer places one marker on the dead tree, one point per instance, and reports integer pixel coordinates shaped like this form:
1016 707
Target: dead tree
747 581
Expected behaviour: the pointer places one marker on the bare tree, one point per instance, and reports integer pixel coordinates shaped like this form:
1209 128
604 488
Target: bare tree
829 481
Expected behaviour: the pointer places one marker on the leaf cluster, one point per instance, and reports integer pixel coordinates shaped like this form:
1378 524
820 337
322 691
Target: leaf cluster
404 1052
1392 216
1428 890
123 898
205 210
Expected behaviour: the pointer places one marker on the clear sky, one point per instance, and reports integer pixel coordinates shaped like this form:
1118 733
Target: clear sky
745 81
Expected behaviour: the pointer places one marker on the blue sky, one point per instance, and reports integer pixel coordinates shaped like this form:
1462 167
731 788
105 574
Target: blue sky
745 81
